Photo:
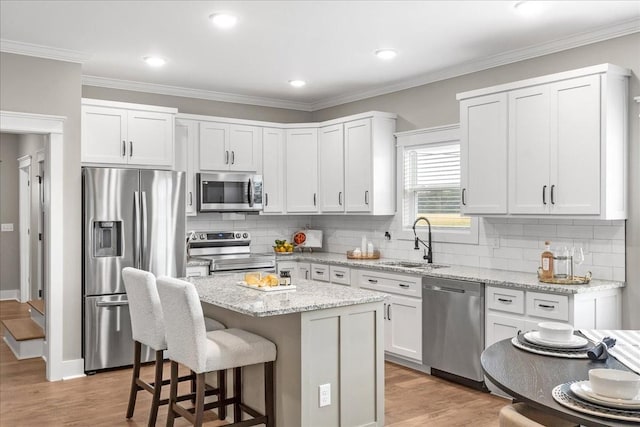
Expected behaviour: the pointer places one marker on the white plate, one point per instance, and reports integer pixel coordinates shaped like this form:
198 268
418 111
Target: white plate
562 395
575 342
583 390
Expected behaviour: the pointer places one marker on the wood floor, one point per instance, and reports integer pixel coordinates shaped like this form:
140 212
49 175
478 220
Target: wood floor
412 398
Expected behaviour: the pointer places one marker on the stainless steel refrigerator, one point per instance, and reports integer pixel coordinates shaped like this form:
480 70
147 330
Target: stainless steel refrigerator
130 218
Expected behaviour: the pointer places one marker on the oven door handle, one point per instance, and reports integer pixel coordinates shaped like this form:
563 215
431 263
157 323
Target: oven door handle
250 193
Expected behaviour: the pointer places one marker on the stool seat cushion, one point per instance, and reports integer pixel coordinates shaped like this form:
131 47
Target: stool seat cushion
231 348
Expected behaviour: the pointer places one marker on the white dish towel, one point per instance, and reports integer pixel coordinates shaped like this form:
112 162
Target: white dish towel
627 348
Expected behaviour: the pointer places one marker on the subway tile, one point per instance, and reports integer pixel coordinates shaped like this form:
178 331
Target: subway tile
574 231
510 253
549 231
608 260
608 232
619 274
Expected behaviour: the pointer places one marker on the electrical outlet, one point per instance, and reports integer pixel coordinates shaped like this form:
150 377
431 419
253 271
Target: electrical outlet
7 227
324 393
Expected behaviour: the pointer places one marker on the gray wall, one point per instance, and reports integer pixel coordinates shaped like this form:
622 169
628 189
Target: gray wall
435 104
199 106
9 213
36 85
30 144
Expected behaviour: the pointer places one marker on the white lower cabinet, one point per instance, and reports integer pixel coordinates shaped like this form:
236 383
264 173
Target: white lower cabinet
402 311
304 271
320 272
197 271
511 310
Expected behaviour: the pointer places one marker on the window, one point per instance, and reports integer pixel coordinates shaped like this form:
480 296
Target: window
429 163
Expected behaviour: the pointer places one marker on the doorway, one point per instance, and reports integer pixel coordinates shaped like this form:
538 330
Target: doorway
24 203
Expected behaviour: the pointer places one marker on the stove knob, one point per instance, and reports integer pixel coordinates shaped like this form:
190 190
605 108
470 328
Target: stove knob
203 236
193 237
237 235
245 235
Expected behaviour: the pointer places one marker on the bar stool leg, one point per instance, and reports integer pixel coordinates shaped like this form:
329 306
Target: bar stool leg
173 393
199 412
134 379
157 389
237 394
269 403
222 387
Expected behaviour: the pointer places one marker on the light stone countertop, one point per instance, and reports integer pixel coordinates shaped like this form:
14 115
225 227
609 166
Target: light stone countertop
222 290
503 278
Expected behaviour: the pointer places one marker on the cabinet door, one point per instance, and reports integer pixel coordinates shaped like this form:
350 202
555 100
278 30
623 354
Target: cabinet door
331 168
186 152
575 142
273 169
320 272
104 134
357 143
529 189
214 146
150 138
302 170
483 125
304 271
404 320
243 147
500 327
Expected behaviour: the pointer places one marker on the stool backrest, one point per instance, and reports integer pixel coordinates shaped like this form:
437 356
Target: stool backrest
147 322
184 320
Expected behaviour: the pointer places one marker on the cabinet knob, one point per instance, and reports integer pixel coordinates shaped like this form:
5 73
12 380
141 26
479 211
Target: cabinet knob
340 198
233 157
266 199
124 148
366 197
130 148
553 201
544 194
226 157
464 201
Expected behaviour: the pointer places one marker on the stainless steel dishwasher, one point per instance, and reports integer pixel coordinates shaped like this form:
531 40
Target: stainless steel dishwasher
453 329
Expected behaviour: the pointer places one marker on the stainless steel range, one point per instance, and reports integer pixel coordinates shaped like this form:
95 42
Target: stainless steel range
229 251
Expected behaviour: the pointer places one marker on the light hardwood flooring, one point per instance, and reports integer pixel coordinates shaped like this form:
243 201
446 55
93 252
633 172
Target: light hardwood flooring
412 398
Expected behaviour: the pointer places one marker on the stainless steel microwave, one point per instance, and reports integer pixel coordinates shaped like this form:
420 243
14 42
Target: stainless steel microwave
229 192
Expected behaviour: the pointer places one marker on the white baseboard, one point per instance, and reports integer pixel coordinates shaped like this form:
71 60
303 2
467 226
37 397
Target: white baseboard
10 294
72 369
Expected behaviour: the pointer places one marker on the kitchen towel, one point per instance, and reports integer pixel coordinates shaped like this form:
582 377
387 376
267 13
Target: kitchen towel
627 348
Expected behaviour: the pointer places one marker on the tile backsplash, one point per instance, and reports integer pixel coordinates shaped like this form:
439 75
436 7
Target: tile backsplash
503 243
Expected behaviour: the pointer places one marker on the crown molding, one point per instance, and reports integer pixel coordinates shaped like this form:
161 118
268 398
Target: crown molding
581 39
47 52
193 93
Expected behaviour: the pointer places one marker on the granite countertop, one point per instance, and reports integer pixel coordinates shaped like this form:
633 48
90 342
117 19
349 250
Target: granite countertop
195 261
221 290
503 278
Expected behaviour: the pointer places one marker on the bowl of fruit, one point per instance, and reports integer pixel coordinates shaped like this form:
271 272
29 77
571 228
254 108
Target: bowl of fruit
283 247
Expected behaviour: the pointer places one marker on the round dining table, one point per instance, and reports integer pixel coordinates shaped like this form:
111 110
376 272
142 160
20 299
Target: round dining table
530 378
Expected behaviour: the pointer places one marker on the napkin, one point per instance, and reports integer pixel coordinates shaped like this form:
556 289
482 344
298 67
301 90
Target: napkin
599 352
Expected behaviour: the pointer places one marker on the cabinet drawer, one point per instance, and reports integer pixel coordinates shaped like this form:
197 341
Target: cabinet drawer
198 271
548 306
320 272
397 284
340 275
509 300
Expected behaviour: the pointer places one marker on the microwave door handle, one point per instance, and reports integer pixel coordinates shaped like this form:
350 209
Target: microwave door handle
250 192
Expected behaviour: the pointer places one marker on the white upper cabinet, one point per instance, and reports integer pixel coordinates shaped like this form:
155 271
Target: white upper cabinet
118 133
302 170
483 154
358 149
186 154
230 147
331 168
567 145
273 170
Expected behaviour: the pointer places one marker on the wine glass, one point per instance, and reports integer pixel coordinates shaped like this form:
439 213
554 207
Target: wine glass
578 256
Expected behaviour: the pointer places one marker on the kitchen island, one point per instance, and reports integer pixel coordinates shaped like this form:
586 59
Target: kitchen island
325 334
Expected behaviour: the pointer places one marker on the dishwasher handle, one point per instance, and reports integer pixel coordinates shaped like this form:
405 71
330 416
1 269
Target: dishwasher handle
443 289
468 289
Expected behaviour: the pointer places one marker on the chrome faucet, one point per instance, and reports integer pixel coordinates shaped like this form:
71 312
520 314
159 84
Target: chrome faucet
428 253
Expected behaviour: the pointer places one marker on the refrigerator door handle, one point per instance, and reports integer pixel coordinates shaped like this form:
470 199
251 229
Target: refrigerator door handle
143 249
111 303
136 229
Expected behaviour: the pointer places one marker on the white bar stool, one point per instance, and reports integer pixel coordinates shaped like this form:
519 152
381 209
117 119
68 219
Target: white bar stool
148 328
522 415
190 345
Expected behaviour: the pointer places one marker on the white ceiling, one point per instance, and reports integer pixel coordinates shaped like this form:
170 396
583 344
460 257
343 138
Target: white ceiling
329 44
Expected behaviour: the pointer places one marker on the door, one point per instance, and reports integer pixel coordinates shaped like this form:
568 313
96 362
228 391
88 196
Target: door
357 148
243 144
108 341
483 154
163 223
302 170
331 168
109 211
104 135
404 322
214 146
529 155
575 142
273 169
150 138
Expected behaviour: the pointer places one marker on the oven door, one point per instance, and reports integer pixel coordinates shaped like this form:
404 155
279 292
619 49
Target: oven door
230 192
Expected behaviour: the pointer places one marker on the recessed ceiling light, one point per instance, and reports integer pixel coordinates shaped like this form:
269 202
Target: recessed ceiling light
154 61
223 20
528 8
297 83
386 53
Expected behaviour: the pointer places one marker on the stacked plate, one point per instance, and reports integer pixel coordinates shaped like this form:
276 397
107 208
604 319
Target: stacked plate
583 390
574 342
580 397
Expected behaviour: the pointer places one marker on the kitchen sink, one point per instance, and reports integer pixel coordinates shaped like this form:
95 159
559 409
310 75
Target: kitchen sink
413 264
